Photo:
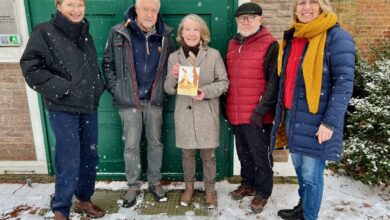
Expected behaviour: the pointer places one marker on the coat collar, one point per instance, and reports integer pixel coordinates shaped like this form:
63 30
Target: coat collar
72 30
199 58
261 32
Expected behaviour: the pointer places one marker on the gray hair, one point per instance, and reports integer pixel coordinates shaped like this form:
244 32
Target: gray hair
58 2
137 2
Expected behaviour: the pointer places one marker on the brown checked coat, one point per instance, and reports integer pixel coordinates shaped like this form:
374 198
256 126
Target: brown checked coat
197 122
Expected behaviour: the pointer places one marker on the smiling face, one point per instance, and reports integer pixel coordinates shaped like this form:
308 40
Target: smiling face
307 10
190 33
147 11
73 10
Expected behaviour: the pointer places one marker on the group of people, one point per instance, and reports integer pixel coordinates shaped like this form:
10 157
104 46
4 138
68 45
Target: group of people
300 88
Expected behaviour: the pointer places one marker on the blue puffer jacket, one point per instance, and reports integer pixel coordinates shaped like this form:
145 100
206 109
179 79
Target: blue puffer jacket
336 90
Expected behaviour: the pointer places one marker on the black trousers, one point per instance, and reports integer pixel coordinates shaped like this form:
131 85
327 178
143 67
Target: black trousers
254 153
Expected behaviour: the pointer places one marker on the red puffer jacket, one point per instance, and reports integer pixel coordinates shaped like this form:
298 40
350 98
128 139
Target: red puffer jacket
245 64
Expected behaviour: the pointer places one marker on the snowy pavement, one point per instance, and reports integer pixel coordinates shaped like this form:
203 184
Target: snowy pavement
343 199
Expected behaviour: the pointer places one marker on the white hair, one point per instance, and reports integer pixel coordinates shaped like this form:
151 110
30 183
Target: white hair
137 2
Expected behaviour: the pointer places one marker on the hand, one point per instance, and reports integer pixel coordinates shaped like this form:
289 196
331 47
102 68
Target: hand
255 120
200 95
175 71
323 134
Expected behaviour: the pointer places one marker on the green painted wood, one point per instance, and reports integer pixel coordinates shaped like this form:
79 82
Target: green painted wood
103 14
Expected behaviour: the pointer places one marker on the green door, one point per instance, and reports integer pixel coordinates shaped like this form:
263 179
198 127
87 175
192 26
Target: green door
103 14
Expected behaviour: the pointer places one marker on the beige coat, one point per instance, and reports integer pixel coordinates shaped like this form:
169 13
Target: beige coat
197 122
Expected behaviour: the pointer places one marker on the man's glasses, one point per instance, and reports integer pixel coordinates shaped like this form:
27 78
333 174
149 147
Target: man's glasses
249 18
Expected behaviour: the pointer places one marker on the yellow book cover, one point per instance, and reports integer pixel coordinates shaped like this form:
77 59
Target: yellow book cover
188 81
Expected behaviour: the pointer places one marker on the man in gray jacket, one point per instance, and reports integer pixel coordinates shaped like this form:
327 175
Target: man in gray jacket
134 66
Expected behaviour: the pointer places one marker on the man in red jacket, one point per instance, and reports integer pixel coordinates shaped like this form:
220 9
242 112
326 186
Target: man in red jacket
252 95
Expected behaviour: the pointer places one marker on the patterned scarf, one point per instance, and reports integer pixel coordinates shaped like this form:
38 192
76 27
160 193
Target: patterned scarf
191 53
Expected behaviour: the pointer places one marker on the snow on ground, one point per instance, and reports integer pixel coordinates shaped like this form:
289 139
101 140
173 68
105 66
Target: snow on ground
343 199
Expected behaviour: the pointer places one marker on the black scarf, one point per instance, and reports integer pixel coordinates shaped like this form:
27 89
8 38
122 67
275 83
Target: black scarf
194 49
70 29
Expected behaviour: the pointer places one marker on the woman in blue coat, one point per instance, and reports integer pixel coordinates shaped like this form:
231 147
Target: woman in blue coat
317 72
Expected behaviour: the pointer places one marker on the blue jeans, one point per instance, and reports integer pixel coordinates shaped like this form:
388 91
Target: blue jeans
76 157
310 174
133 121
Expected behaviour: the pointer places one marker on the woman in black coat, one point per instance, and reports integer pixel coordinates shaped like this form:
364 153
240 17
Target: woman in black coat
60 63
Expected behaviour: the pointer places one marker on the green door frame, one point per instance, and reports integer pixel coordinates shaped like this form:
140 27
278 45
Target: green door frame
45 131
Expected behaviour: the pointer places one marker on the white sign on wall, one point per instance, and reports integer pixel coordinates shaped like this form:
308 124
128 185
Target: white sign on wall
9 32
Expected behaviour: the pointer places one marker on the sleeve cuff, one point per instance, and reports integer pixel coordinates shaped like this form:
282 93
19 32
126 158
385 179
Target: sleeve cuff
328 126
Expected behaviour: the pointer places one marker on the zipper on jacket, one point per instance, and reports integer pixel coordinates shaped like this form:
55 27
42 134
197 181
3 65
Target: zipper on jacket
238 76
146 58
132 75
296 95
147 45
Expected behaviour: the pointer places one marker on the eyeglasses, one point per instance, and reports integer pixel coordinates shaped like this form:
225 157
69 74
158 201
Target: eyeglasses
249 18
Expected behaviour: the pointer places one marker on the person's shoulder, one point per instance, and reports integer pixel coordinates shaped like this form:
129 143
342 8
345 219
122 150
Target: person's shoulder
117 27
337 32
176 52
42 26
265 31
174 55
212 50
167 30
213 53
45 28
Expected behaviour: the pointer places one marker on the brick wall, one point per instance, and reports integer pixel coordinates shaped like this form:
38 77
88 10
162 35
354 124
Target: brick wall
372 26
276 15
16 140
367 20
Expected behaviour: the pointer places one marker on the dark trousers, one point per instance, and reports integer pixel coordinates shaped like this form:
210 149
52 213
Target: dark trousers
255 155
76 158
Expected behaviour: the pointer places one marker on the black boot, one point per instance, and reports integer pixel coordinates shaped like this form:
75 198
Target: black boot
291 214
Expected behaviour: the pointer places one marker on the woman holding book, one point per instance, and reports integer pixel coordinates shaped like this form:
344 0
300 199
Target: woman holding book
197 117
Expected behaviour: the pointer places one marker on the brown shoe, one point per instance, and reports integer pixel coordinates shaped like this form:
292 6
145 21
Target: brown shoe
258 203
211 199
242 191
88 208
186 197
59 216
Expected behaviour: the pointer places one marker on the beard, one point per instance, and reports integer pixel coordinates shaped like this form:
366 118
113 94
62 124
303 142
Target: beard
248 33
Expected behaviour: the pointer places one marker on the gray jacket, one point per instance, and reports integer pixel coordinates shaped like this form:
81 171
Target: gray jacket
197 122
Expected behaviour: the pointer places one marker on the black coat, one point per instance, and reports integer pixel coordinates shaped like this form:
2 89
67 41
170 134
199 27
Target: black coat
60 62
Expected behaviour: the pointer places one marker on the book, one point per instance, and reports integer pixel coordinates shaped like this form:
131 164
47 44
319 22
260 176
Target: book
188 80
